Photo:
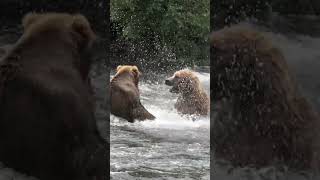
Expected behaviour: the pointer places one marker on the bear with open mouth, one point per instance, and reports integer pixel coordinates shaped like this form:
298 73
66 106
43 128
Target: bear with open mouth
192 97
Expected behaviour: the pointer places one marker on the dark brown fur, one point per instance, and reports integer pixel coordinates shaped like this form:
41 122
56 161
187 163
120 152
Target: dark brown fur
270 120
192 97
47 124
125 96
4 49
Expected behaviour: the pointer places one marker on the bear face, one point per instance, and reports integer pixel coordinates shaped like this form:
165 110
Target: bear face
183 81
192 97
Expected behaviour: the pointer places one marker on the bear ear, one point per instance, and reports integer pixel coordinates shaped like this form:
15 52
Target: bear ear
81 26
136 71
118 68
29 19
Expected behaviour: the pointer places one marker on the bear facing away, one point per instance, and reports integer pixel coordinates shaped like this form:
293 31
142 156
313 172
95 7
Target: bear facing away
271 122
125 95
47 124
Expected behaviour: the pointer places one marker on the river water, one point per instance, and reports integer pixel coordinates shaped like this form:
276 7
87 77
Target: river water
302 53
170 147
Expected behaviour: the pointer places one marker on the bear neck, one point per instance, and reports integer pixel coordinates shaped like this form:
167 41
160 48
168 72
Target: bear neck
192 92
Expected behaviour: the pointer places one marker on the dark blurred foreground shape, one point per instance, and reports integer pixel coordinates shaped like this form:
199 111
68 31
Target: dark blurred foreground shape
288 17
270 120
11 11
96 11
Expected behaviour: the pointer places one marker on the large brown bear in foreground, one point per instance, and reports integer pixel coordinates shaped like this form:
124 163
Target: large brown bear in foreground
192 97
125 96
271 122
47 124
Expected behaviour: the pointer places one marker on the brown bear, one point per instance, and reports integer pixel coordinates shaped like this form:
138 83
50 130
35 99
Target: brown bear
270 121
192 97
125 96
47 123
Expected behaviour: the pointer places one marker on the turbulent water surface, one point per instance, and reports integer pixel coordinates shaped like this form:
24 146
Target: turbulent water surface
170 147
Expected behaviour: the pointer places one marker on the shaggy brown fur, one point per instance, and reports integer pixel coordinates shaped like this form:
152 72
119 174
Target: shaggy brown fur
125 96
47 124
270 120
192 97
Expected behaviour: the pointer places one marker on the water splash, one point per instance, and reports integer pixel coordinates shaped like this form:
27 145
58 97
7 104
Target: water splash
172 146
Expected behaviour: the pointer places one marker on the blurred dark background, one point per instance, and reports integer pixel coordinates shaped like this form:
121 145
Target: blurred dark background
11 11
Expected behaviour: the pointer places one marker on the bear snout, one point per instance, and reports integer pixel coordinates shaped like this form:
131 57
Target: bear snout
169 82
